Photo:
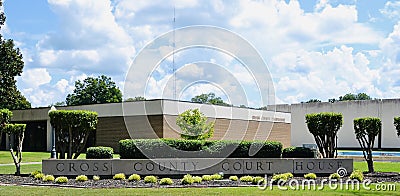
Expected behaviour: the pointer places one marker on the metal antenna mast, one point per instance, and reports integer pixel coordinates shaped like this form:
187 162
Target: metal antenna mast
173 58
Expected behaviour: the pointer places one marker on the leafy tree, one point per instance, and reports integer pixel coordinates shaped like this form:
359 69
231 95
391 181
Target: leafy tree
350 96
16 130
366 130
324 127
72 129
138 98
194 125
397 125
313 101
209 98
11 65
58 103
94 90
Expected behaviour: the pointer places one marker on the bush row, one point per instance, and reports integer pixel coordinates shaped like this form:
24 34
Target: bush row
175 148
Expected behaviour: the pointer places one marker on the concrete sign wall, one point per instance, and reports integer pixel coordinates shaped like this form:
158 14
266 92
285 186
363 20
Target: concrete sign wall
193 166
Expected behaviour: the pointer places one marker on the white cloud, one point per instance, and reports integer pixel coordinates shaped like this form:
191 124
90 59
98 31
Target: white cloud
391 9
35 77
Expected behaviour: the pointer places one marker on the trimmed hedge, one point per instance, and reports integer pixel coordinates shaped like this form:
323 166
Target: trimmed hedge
99 152
297 152
156 148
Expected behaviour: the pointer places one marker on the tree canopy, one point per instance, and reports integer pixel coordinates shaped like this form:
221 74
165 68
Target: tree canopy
94 90
194 125
350 97
11 65
137 98
209 98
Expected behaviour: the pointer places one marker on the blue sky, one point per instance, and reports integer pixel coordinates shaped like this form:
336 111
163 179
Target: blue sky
313 49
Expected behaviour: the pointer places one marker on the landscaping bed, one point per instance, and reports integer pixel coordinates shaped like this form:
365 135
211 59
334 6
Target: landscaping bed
111 183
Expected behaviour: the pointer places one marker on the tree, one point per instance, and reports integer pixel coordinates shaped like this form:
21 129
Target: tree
16 130
313 101
11 65
72 129
138 98
366 130
58 103
350 96
397 125
210 99
194 125
324 127
94 90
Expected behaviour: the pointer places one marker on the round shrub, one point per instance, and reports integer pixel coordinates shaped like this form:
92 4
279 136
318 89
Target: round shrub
150 179
187 179
280 178
61 180
206 178
39 176
134 177
233 178
288 175
246 179
166 181
81 178
48 178
258 180
96 178
216 177
99 152
334 176
297 152
310 176
119 176
197 179
357 175
32 174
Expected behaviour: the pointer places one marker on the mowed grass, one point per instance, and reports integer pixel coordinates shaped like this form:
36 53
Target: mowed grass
5 157
378 166
21 190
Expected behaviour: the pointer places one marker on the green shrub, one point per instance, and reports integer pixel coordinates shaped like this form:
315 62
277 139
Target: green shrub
187 179
32 174
150 179
96 178
197 179
334 176
166 181
61 180
39 176
216 177
310 176
258 180
48 178
288 175
155 148
233 178
277 178
357 175
246 179
81 178
297 152
119 176
206 178
134 177
99 152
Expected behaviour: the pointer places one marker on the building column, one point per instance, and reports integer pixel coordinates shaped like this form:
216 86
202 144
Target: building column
48 136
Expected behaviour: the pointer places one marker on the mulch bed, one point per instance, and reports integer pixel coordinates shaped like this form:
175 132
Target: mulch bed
110 183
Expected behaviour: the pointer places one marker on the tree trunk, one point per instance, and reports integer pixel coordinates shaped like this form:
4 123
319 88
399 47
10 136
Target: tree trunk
18 169
370 163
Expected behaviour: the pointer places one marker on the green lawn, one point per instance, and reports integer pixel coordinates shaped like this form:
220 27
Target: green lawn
378 166
23 190
5 156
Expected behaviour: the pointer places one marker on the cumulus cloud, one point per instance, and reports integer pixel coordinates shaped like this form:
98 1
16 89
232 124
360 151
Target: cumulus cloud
391 9
35 77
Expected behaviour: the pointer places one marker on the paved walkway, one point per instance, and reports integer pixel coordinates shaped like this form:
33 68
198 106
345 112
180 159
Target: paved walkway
27 163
